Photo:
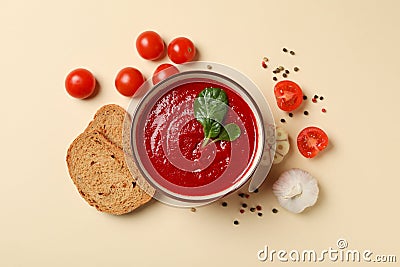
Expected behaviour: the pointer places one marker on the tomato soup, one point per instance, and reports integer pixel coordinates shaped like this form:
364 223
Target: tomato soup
171 149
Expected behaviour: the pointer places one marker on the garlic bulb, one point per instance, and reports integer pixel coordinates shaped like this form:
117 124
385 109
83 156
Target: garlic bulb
296 190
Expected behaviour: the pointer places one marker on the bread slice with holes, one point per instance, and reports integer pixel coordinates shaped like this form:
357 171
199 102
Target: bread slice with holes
109 121
99 171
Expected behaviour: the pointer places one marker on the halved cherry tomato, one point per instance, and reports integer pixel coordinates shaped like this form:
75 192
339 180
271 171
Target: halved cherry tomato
128 81
150 45
288 94
164 71
181 50
311 141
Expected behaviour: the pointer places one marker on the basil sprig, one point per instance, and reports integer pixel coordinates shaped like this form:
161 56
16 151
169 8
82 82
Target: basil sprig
210 108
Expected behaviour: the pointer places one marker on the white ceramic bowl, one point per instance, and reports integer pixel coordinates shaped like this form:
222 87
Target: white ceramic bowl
173 194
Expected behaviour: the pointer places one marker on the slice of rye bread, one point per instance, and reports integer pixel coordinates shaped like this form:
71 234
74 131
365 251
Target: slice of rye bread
109 121
98 170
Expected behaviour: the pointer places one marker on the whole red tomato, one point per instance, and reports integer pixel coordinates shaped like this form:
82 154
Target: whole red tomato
181 50
163 71
80 83
150 45
128 81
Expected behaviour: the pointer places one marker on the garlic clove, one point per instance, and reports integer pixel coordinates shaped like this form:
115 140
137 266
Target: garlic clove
281 134
270 141
278 138
282 145
277 158
296 190
282 148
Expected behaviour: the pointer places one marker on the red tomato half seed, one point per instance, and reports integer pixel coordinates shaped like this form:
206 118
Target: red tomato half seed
311 141
288 94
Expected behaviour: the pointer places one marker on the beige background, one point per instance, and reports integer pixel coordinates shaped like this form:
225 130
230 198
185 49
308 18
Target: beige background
348 51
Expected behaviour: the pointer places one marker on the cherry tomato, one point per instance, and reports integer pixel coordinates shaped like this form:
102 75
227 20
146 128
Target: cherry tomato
311 141
80 83
164 71
128 81
150 45
288 94
181 50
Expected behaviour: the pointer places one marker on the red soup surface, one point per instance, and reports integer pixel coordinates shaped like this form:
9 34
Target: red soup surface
173 138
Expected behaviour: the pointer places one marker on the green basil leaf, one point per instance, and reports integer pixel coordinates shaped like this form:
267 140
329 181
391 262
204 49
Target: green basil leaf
211 103
211 128
214 93
210 108
230 132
